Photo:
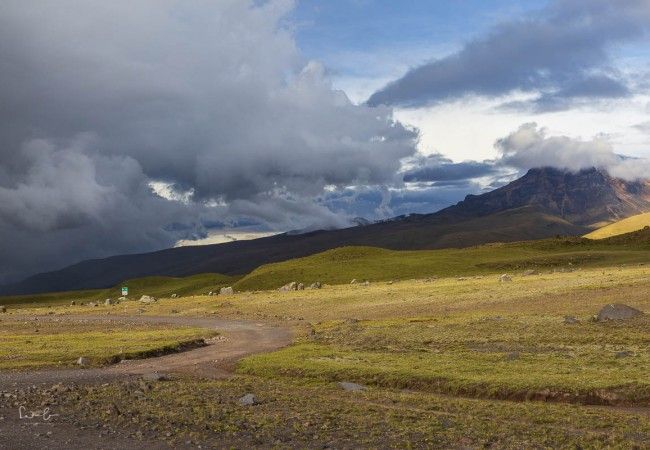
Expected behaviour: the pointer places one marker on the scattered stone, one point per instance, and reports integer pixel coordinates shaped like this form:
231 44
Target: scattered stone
248 400
505 278
154 376
226 291
316 285
147 299
352 387
293 286
617 311
531 272
83 361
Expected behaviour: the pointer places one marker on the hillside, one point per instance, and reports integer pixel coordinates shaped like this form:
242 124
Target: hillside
156 286
341 265
627 225
541 204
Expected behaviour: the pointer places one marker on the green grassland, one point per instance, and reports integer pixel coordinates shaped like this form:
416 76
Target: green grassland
341 265
156 286
624 226
30 345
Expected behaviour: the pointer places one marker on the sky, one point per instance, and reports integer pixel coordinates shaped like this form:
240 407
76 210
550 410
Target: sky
129 127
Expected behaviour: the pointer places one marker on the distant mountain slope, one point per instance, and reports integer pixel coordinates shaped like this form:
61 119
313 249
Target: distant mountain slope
543 203
628 225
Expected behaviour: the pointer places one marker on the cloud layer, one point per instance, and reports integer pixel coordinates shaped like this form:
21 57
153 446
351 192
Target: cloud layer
561 53
211 99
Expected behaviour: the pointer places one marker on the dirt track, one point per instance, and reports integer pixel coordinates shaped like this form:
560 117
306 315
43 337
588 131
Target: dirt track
216 360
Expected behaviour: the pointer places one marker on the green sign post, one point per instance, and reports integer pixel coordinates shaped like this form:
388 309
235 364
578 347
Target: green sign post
125 291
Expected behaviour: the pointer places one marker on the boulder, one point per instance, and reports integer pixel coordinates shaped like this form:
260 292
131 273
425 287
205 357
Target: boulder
505 278
248 400
147 299
293 286
352 387
83 361
316 285
617 311
226 291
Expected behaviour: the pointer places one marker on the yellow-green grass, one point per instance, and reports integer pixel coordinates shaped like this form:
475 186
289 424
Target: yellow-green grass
341 265
627 225
299 414
33 344
157 286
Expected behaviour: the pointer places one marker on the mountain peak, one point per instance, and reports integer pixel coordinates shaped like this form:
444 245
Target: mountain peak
586 197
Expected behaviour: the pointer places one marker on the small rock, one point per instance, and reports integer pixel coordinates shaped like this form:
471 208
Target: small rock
154 376
109 301
570 320
505 278
366 283
390 282
300 287
512 356
226 291
248 400
352 387
147 299
122 299
83 361
72 303
174 295
3 309
316 285
623 354
210 293
354 281
92 304
617 311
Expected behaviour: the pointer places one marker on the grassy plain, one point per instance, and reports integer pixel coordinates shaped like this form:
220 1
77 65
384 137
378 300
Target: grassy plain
32 344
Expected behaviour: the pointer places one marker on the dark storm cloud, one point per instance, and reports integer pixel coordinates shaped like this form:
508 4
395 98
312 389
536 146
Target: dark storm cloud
210 99
437 168
561 52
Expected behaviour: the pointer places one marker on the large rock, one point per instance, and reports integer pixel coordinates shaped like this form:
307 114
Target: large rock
293 286
617 311
226 291
147 299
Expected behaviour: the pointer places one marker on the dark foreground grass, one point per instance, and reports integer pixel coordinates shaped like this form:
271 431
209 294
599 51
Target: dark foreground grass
293 414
